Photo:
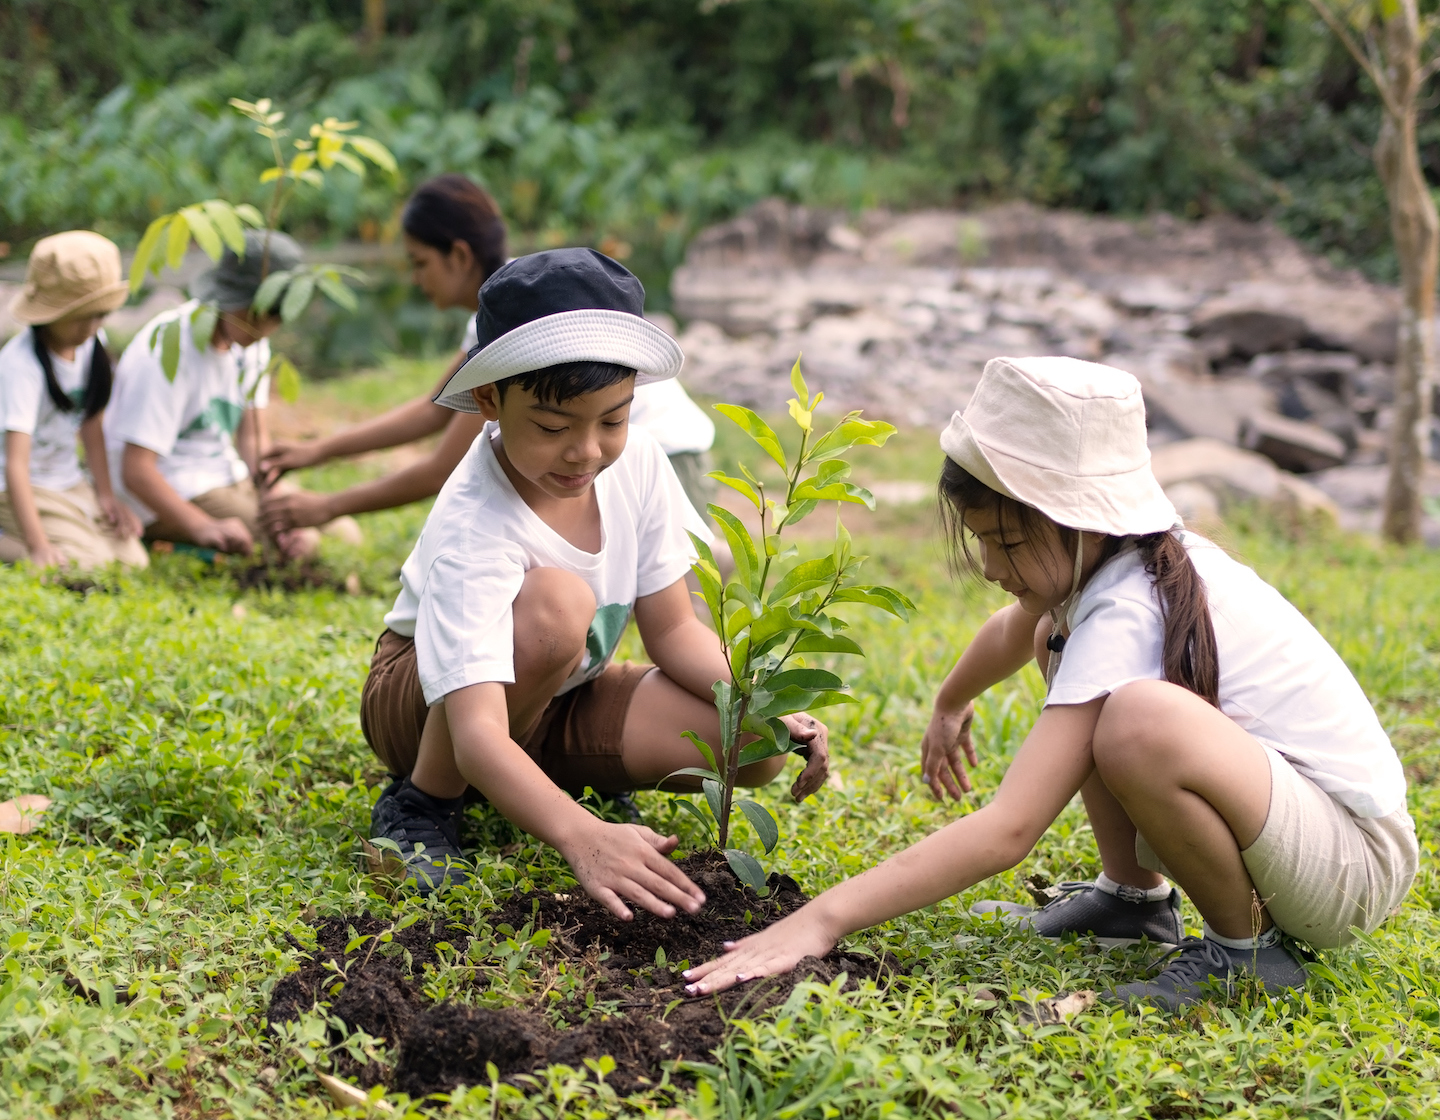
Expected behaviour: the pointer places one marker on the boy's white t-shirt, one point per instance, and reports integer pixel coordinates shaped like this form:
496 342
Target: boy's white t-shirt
1279 679
662 408
189 423
25 406
458 585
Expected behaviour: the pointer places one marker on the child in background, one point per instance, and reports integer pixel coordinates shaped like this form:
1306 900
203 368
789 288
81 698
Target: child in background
1215 736
55 382
495 668
173 444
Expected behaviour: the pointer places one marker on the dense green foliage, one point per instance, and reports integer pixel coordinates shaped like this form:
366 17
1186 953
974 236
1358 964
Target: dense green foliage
639 120
210 773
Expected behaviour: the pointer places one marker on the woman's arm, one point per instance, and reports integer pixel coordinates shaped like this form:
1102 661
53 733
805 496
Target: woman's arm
415 419
1001 648
22 501
120 515
1049 768
411 484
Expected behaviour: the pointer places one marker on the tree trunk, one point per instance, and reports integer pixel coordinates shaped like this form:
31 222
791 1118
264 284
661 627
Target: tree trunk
1416 232
374 21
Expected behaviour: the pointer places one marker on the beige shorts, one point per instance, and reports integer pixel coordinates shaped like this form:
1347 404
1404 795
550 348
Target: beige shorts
73 522
241 501
1321 870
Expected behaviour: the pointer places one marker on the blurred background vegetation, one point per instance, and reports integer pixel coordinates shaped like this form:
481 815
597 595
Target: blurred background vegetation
629 124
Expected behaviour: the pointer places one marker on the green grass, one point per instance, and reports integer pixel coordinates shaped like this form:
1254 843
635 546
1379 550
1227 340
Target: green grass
209 776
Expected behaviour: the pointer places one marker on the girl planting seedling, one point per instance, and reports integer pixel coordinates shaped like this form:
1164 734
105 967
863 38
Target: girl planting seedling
1215 737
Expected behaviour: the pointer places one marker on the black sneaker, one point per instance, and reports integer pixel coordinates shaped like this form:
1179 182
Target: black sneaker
1084 908
427 831
1199 968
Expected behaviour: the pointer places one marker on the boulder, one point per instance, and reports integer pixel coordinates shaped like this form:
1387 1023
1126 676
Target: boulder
1200 406
1294 445
1259 316
1232 475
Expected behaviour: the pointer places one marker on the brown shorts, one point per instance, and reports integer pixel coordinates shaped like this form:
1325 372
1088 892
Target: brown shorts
576 740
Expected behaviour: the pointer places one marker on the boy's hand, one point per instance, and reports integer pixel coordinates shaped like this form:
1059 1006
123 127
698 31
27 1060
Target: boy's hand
615 861
813 737
226 534
121 517
940 767
283 457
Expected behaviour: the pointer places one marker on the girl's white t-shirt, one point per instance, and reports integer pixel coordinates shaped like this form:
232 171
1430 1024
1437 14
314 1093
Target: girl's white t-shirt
458 585
190 422
1279 679
25 406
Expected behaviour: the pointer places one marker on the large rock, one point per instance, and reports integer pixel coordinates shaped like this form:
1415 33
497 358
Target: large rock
1257 316
1233 475
1194 404
1293 445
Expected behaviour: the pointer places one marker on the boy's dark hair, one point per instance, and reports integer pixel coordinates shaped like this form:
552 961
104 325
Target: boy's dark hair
451 208
97 382
1189 654
558 384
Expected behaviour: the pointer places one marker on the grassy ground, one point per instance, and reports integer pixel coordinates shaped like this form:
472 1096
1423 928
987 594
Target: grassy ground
209 774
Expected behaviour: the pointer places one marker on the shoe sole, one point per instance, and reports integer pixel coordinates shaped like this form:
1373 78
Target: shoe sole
1123 942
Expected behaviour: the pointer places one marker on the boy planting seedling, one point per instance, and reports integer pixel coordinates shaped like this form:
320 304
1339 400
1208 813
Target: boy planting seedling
559 524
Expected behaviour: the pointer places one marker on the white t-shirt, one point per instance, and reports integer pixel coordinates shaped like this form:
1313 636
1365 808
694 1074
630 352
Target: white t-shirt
1279 679
662 408
458 585
25 406
189 423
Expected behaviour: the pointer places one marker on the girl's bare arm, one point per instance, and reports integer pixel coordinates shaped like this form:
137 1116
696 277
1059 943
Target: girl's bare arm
22 501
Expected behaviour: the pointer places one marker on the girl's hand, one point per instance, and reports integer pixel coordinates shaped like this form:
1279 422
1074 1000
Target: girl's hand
771 952
813 737
294 509
940 767
283 457
121 517
46 555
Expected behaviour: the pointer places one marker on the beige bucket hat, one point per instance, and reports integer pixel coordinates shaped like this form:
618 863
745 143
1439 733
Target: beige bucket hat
70 273
1066 437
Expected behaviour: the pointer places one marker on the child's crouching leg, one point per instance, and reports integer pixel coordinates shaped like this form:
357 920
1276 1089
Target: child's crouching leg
1196 786
552 614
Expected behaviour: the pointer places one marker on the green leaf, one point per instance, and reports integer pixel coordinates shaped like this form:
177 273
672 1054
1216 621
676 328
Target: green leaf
203 231
887 599
849 432
803 678
376 152
757 430
802 416
821 643
694 810
774 738
802 577
777 620
170 349
177 241
798 511
693 772
330 283
706 751
297 297
763 823
842 543
18 939
714 797
287 381
202 324
736 622
835 492
270 289
227 224
145 254
747 869
742 547
249 215
708 574
791 700
737 484
797 382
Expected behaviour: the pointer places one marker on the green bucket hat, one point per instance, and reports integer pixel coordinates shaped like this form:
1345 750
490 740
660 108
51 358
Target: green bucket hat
234 281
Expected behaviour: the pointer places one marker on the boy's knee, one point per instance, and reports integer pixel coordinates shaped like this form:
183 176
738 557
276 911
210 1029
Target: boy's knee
760 773
552 616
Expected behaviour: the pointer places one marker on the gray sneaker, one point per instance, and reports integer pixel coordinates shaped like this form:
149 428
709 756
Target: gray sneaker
426 830
1200 968
1083 908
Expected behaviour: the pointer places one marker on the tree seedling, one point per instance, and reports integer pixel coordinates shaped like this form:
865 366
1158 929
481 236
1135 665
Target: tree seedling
772 611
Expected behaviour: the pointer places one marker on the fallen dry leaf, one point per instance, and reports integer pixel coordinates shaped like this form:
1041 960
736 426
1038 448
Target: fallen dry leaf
1056 1009
377 862
835 781
348 1096
22 814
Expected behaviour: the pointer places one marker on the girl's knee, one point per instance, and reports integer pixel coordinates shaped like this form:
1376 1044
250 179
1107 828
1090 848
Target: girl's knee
761 773
552 614
1129 735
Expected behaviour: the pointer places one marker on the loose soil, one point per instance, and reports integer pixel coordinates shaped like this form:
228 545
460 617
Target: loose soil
300 575
641 1018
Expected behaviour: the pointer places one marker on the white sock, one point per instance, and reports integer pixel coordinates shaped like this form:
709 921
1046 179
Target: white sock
1127 893
1266 940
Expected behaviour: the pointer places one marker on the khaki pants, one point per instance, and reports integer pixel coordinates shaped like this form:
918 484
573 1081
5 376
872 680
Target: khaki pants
73 522
240 500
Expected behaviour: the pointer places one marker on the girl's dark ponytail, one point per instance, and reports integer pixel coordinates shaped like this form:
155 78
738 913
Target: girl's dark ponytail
1190 658
97 384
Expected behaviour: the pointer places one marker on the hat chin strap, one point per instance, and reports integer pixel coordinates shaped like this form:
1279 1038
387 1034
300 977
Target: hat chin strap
1061 614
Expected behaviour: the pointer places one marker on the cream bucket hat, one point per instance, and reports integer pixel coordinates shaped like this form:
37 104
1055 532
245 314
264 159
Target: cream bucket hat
1066 437
70 273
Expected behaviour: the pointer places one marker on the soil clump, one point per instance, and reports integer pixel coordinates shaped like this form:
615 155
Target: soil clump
633 1008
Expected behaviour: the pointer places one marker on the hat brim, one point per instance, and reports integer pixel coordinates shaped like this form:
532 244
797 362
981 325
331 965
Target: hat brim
586 335
34 312
1129 504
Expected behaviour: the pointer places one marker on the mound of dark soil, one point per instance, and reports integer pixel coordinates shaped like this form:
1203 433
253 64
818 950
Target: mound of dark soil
437 1047
298 575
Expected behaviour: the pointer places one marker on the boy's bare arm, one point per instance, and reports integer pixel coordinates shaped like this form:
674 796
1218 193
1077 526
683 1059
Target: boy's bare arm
611 861
682 647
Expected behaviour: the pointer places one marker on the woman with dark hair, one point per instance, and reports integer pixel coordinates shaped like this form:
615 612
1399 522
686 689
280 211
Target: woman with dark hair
455 238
